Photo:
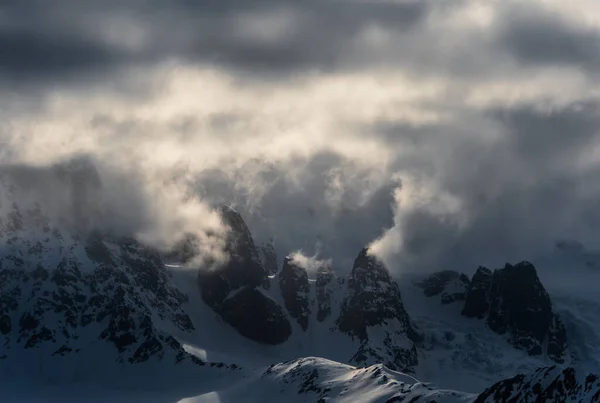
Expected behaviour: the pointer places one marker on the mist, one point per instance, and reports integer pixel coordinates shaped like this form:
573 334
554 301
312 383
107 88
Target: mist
445 135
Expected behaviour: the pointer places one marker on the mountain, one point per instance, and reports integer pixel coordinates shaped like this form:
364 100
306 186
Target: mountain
511 300
364 308
86 312
237 291
551 384
80 300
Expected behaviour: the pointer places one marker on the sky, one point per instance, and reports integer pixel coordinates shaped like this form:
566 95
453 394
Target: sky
445 134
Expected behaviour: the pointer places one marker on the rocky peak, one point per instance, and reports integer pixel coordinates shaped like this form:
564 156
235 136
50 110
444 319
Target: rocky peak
514 302
244 266
233 289
550 384
324 289
295 289
373 297
242 269
477 298
373 300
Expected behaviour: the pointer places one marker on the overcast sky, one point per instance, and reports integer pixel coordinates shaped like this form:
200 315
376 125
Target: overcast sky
451 133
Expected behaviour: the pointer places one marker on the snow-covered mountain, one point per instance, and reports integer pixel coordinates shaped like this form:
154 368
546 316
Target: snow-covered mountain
102 312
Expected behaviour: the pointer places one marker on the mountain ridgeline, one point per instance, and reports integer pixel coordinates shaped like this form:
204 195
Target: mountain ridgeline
81 304
366 305
512 301
242 294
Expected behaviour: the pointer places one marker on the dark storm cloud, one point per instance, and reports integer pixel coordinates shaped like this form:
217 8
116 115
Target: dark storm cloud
39 41
295 210
68 39
550 134
518 195
30 54
535 36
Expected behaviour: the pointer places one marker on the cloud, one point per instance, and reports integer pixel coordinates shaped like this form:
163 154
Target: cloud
538 36
454 133
72 40
505 200
85 195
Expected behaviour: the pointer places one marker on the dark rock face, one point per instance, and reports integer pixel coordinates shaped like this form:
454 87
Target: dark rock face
374 300
256 316
324 290
557 340
244 266
514 302
477 298
268 257
520 304
293 282
242 276
450 285
550 384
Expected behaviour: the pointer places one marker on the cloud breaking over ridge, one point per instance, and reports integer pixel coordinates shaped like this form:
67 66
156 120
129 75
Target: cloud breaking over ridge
451 134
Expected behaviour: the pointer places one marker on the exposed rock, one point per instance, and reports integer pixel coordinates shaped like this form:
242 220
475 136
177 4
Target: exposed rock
557 340
451 285
256 316
242 269
324 284
116 292
233 292
374 300
520 304
551 384
268 257
293 282
514 302
477 298
59 282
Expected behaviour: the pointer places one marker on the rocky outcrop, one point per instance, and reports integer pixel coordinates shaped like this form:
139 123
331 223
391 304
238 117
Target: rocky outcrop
519 304
557 340
295 289
514 302
477 298
268 257
256 316
373 300
551 384
115 289
240 280
451 286
324 289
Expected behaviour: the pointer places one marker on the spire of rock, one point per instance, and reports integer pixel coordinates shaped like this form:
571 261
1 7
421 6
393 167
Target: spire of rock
374 300
233 290
514 302
293 282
